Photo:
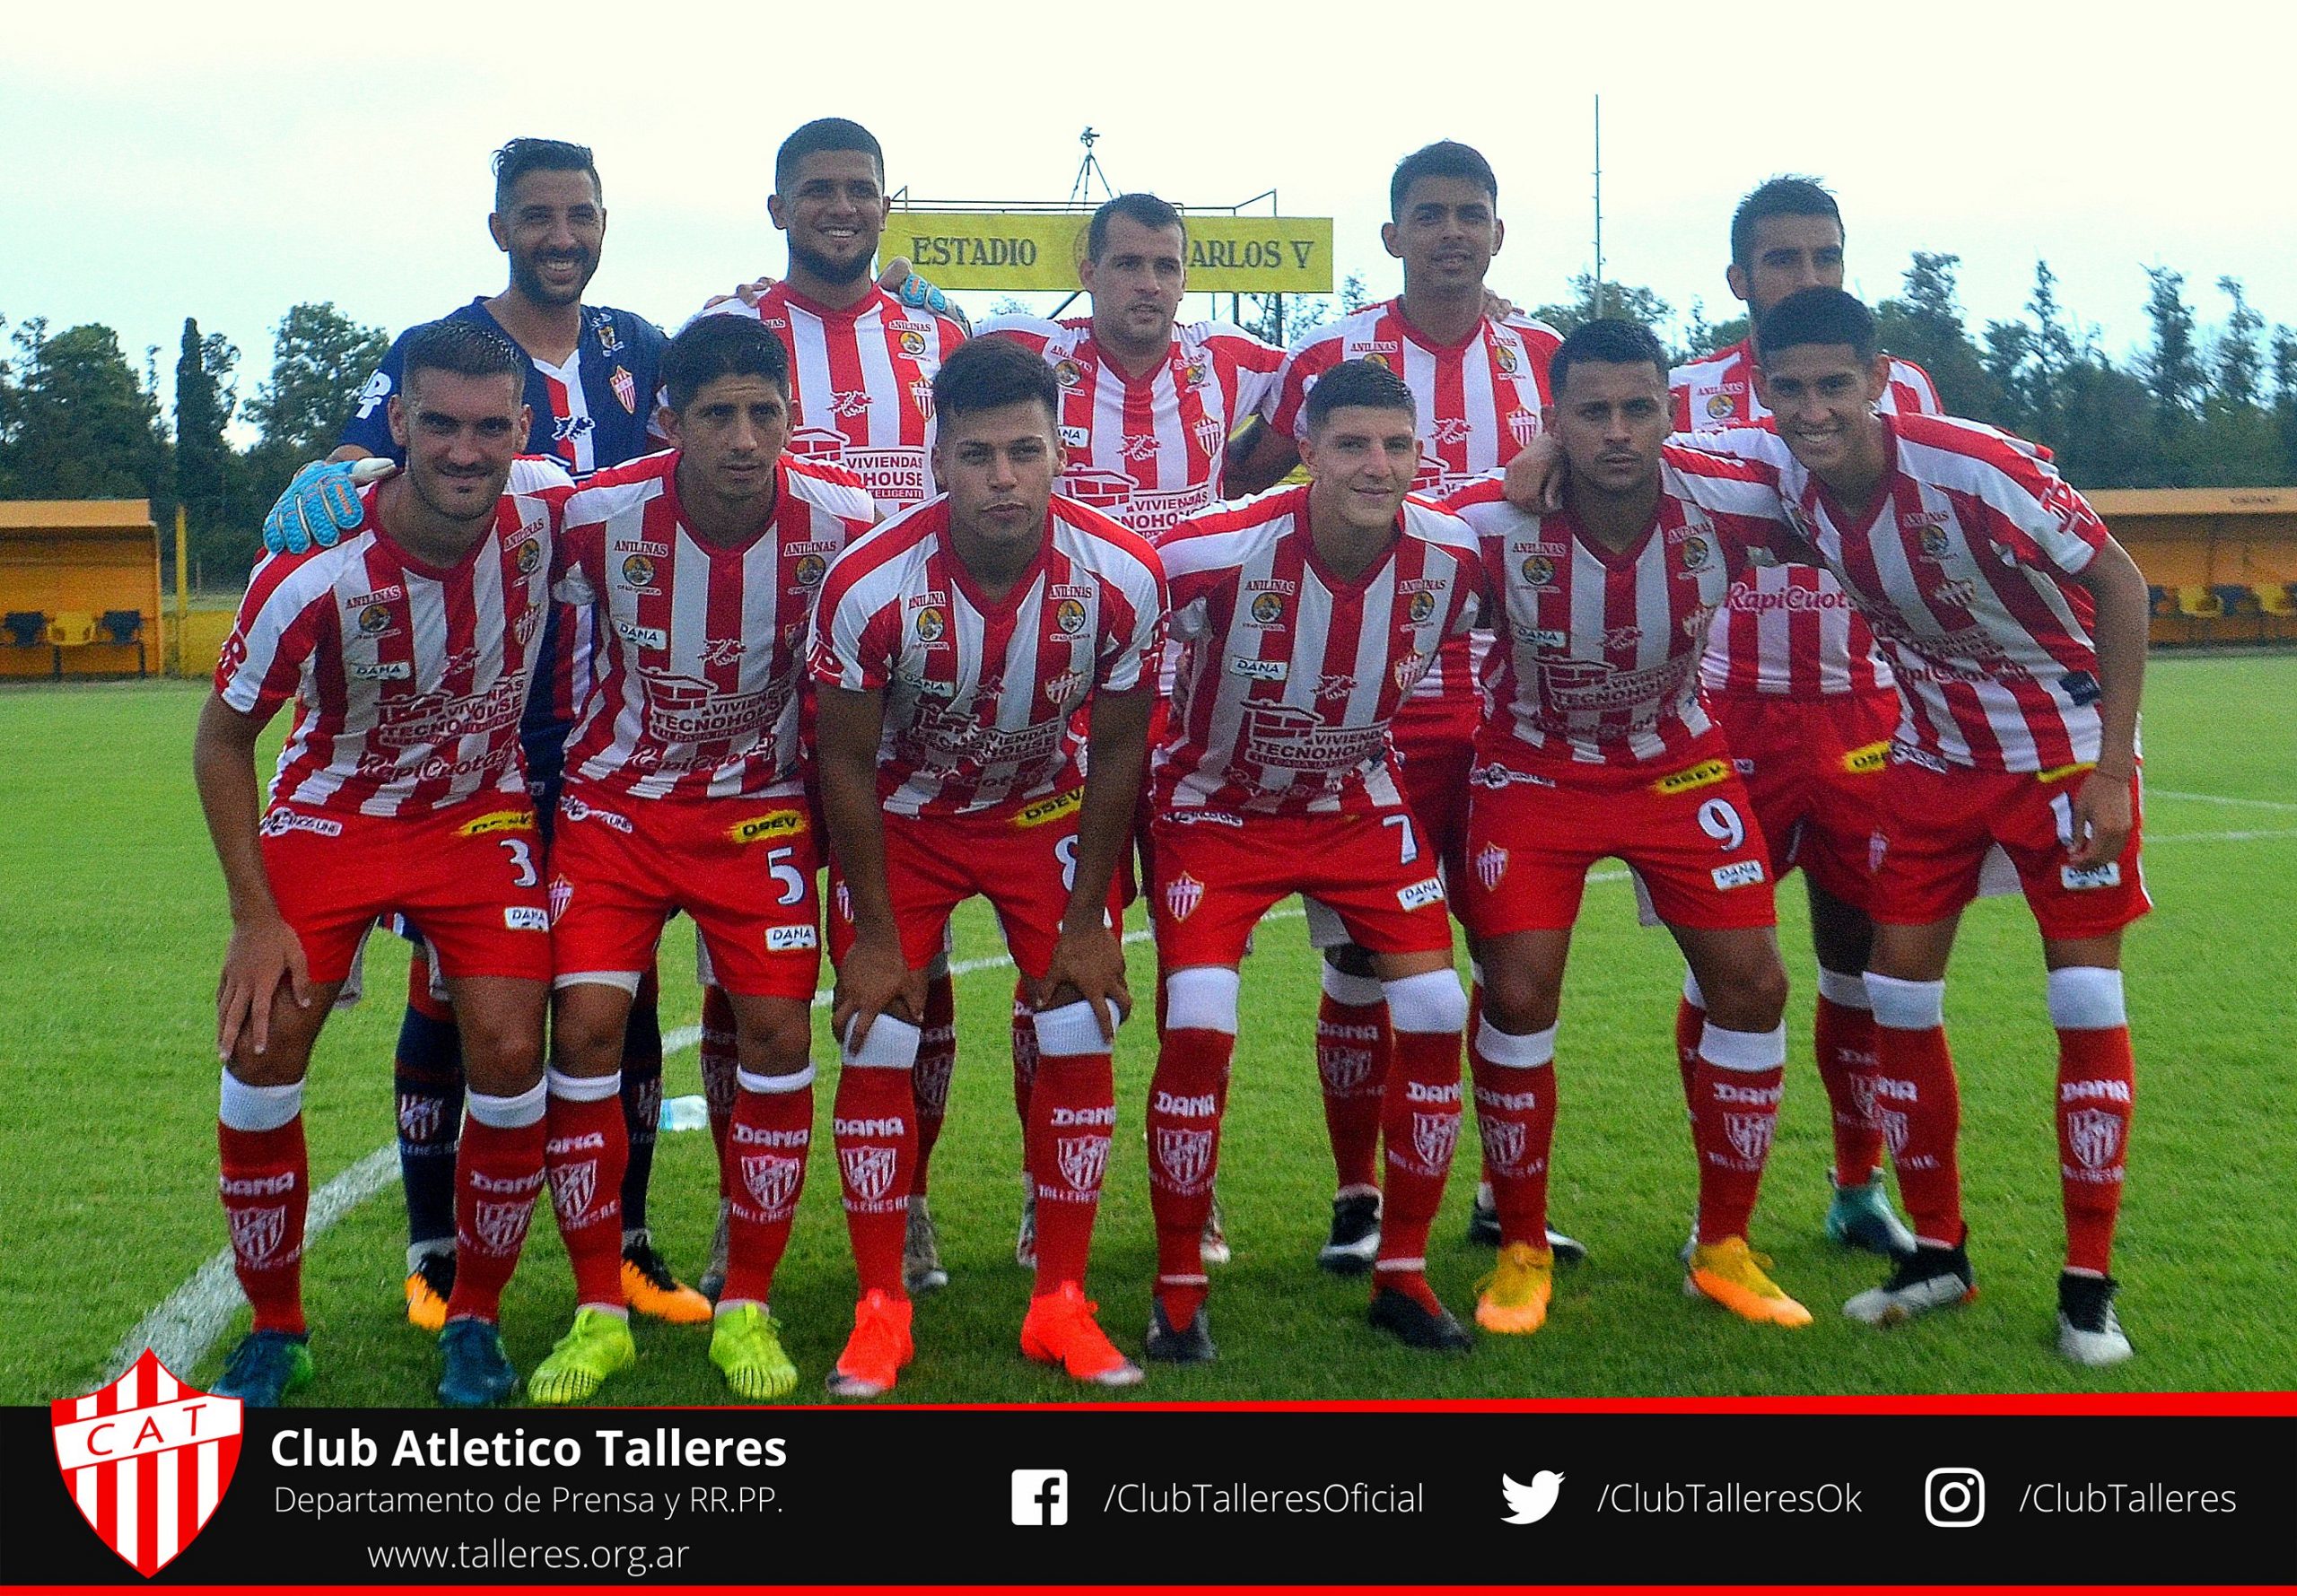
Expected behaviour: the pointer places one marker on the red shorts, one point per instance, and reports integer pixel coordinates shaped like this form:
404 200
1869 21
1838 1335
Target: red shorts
1023 858
468 878
1218 874
1813 768
1688 830
743 869
1933 828
1434 750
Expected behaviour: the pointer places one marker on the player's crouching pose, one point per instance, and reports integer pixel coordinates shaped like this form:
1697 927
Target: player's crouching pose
683 792
407 647
1597 745
2016 626
1308 617
952 648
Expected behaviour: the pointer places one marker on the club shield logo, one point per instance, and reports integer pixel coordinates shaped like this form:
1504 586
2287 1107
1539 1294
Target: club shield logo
146 1459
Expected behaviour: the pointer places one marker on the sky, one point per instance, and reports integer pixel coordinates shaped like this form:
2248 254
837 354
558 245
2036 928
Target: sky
228 162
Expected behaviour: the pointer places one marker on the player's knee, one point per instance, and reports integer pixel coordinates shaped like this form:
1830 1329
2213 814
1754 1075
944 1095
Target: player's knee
1349 960
505 1054
1202 997
773 1042
1431 1002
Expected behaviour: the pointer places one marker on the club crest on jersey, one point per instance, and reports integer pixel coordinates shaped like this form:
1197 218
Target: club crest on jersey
1209 433
772 1180
1409 669
1538 571
868 1171
528 623
2095 1137
1421 606
931 625
1184 1156
638 571
1064 686
1267 609
571 1187
920 394
1067 373
1069 614
562 894
146 1438
1694 553
1491 865
1183 893
1083 1160
375 620
1522 425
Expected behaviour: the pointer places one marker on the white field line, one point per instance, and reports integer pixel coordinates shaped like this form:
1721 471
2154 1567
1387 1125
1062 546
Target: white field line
2210 797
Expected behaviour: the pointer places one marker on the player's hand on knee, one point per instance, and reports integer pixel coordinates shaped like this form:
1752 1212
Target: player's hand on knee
2101 820
874 980
263 953
1089 966
321 503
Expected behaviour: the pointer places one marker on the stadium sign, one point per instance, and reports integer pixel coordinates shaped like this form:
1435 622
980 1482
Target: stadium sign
146 1459
1024 251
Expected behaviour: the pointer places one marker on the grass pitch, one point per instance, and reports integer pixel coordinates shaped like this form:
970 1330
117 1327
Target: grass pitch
114 927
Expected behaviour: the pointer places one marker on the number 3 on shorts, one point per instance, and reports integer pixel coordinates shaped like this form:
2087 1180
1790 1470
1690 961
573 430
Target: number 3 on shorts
1719 819
522 862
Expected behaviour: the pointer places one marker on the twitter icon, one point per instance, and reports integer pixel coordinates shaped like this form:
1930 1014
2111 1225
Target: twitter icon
1529 1503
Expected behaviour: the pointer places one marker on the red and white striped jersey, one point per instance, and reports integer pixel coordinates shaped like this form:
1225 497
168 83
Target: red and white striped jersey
1290 676
1479 402
1963 566
1786 629
701 649
981 697
1147 451
409 679
1596 657
860 386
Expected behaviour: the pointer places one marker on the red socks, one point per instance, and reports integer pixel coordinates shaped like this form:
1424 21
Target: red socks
1514 1106
266 1187
496 1177
1183 1153
1025 1066
1420 1123
2096 1094
1843 1039
586 1149
1353 1048
719 1058
874 1126
772 1129
1918 1103
928 1080
1072 1114
1736 1085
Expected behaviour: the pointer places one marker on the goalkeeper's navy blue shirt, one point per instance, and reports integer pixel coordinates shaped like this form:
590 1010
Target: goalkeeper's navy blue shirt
589 415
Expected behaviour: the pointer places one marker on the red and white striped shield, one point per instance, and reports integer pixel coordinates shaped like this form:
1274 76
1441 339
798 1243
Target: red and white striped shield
146 1459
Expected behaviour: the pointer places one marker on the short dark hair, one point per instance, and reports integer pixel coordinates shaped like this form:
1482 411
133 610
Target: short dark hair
1358 383
462 348
1446 158
991 374
714 346
1607 343
1787 195
520 156
1144 209
1816 316
821 134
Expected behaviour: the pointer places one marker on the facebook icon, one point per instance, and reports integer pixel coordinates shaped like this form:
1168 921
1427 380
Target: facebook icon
1040 1495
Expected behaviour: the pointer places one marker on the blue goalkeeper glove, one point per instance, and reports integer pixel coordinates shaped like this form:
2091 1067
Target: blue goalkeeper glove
321 503
921 294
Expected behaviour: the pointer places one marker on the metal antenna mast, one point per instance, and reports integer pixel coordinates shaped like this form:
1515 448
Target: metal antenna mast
1598 205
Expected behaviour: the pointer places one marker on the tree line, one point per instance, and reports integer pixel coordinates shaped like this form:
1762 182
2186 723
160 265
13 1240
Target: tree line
2193 407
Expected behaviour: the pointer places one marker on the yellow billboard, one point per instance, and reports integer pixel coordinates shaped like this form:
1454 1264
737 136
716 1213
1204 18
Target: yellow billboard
1018 251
